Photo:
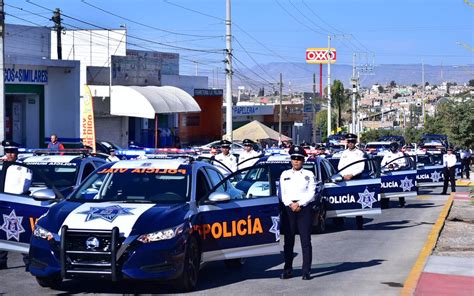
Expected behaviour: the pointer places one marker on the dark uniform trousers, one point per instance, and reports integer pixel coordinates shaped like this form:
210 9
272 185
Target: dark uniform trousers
465 166
301 222
449 176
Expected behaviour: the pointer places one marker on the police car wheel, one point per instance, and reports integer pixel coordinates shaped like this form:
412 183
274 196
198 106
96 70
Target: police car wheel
338 222
234 263
385 203
192 260
360 222
49 282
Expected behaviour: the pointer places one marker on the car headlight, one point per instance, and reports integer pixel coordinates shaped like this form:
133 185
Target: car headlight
161 234
43 233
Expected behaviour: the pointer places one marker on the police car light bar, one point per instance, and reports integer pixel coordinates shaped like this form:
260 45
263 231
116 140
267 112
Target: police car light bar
78 151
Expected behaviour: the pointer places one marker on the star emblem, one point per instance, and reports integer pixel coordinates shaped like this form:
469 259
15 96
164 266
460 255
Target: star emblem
406 184
275 227
12 226
435 176
106 213
366 198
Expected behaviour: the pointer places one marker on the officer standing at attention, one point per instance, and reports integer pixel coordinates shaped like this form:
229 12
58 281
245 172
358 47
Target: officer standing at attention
297 187
226 158
11 155
248 154
449 163
349 156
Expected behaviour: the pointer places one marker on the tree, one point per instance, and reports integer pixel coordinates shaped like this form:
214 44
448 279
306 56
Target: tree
380 89
338 99
427 83
471 82
322 122
393 84
396 95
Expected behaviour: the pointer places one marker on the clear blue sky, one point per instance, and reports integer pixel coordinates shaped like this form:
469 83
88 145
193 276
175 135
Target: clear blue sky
397 31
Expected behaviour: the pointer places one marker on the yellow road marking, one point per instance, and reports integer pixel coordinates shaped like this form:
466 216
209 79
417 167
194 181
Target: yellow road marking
464 183
423 197
412 279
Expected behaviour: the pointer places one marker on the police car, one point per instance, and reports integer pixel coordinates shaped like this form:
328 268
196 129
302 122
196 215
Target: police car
335 198
377 148
151 219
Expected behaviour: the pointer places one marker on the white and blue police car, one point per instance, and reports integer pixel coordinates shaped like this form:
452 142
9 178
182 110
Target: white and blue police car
150 219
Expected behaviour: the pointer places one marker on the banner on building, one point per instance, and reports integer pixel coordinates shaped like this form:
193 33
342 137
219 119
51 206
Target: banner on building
87 120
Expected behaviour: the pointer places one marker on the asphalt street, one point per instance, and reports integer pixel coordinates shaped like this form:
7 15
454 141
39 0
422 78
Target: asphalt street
372 261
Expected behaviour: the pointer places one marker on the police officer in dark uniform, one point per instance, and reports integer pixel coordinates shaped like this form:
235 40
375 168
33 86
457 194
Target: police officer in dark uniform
11 155
297 188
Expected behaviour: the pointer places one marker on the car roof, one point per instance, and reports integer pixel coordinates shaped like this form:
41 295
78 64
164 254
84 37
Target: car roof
48 159
379 143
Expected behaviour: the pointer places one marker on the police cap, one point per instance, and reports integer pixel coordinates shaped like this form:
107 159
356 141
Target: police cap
247 142
225 144
409 146
351 137
10 146
394 146
450 148
297 151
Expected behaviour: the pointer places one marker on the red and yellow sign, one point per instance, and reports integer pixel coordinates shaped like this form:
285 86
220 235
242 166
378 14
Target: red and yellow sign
87 120
320 55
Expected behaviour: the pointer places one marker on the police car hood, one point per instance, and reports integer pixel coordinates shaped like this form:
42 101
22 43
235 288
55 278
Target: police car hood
130 218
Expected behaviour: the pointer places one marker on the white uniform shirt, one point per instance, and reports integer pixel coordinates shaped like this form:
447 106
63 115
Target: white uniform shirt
112 158
228 160
18 179
297 186
464 154
348 157
389 156
246 155
449 160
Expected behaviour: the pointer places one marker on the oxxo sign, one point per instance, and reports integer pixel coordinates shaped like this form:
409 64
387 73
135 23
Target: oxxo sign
26 75
320 55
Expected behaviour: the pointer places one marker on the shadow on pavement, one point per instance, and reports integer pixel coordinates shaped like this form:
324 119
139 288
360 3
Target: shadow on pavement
422 205
342 267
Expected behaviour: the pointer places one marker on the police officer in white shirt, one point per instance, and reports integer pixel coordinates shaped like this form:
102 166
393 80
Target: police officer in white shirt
112 157
393 159
465 156
449 163
297 188
249 157
226 158
349 156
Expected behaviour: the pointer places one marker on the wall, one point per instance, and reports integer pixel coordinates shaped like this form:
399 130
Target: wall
186 83
61 110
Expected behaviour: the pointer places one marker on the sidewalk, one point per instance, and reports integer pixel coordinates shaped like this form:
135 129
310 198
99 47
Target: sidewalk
449 270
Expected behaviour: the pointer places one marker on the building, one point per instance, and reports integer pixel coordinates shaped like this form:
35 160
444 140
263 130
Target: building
41 94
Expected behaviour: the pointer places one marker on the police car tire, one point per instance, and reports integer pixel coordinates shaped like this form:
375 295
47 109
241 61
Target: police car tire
49 282
192 260
385 203
338 222
234 263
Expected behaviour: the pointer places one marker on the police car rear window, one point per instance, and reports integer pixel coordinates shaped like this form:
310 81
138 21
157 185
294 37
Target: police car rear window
58 175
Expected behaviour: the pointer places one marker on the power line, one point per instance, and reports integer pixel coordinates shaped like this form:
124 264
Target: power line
297 20
145 25
251 57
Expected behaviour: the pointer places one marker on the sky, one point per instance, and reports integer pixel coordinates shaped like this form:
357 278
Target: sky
265 31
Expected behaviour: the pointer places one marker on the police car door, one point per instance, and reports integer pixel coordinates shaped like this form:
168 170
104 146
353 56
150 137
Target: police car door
246 225
401 182
429 170
18 214
358 197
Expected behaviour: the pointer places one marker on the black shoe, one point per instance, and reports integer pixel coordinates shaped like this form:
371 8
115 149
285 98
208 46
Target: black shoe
286 274
443 193
3 265
306 276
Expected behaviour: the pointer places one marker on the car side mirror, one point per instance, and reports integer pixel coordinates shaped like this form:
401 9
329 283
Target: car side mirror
45 194
336 178
219 197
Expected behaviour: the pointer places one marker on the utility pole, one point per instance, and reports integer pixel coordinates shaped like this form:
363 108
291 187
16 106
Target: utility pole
57 26
423 92
313 124
354 92
329 85
281 107
2 81
228 68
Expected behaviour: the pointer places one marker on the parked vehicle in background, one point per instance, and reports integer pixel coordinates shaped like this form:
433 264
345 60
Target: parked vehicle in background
377 148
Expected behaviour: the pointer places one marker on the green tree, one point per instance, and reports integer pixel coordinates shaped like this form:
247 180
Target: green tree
339 99
471 82
321 121
380 89
393 84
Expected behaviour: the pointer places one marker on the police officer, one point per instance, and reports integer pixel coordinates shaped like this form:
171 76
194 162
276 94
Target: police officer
248 154
465 156
348 157
449 163
297 187
11 155
393 160
113 156
226 158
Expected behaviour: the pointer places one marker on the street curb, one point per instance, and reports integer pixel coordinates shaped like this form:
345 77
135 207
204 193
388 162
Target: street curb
412 280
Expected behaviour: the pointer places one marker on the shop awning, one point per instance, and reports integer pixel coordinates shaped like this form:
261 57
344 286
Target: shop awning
145 101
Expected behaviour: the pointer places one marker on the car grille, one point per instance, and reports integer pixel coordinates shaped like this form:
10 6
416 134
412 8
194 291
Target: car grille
90 253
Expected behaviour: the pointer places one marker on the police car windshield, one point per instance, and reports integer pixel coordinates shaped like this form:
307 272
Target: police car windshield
60 176
135 185
434 159
377 146
261 173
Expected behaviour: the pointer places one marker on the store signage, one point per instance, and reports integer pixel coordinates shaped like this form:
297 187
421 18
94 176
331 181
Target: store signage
26 75
252 110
